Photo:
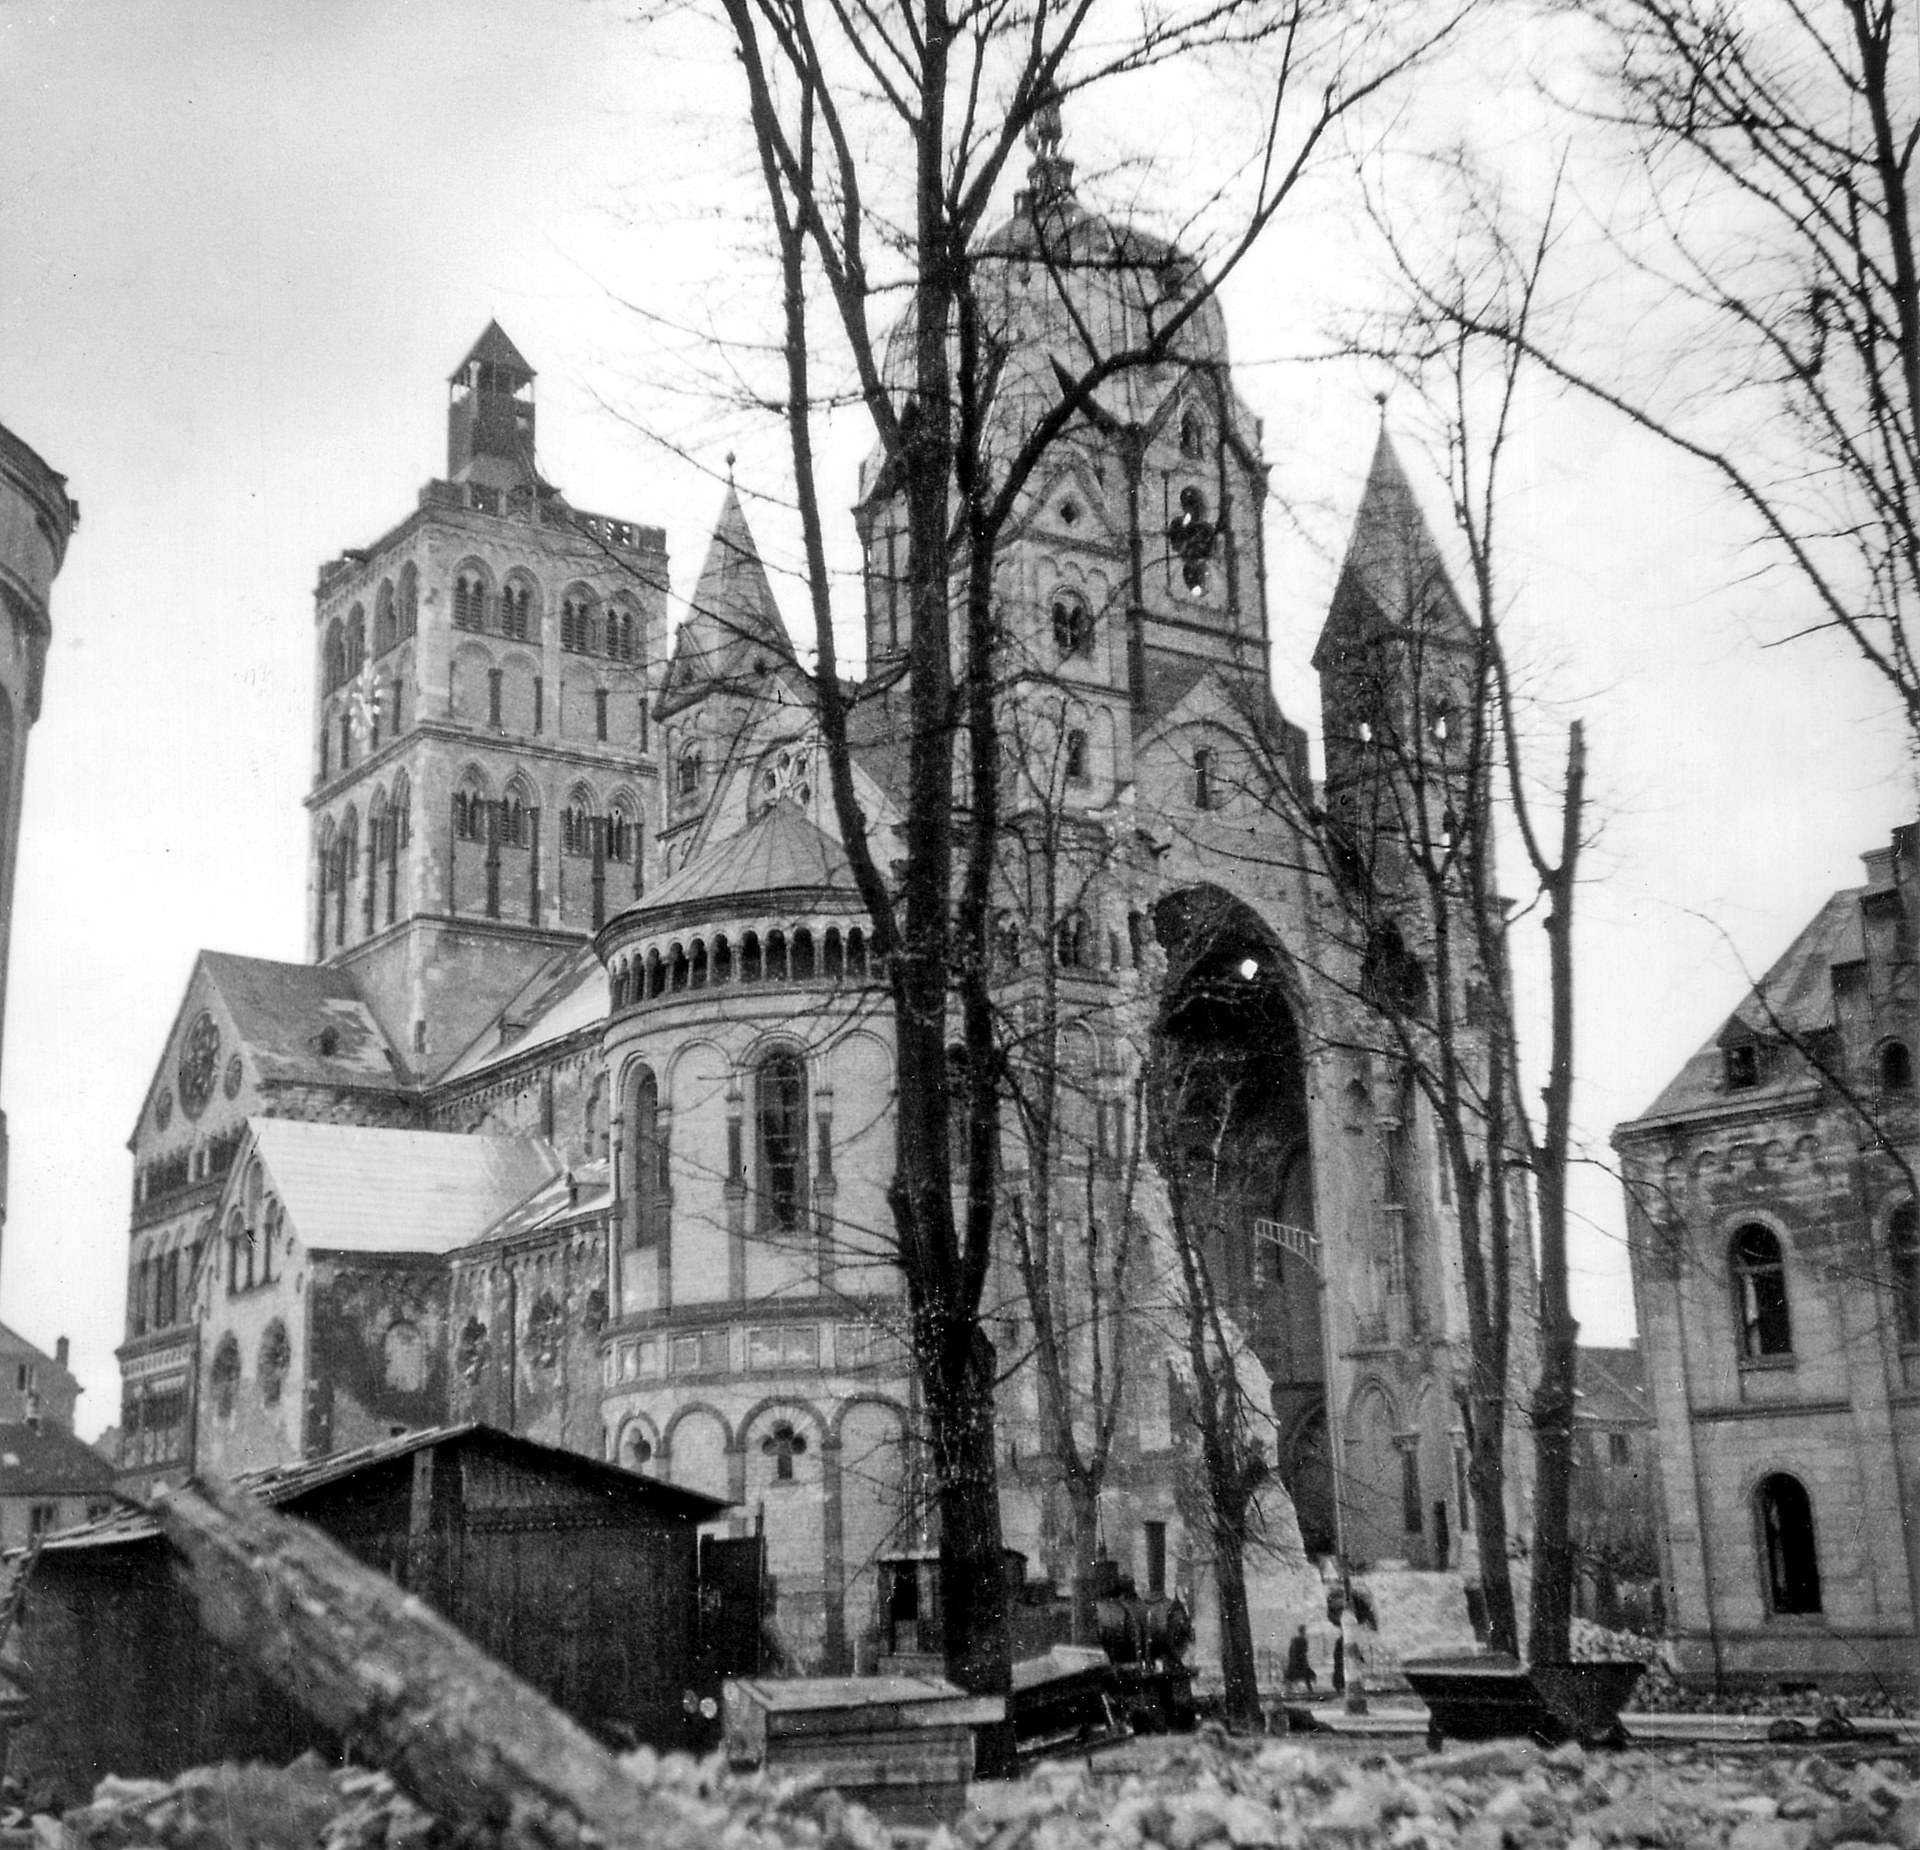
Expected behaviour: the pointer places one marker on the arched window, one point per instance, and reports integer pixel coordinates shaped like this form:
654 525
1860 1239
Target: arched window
649 1145
1204 794
722 961
1190 537
276 1357
780 1114
239 1254
656 975
688 771
385 631
469 814
576 622
333 672
513 820
1896 1067
1193 433
516 607
1760 1293
356 641
1787 1542
469 602
622 835
750 958
404 1358
223 1375
776 957
636 1449
272 1221
1070 941
1076 756
409 602
802 955
620 635
1072 623
1903 1244
856 952
576 825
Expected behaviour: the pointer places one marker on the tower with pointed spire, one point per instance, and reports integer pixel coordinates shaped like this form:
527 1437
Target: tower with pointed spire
486 786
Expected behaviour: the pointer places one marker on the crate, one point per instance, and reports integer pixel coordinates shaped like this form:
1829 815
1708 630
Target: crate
902 1745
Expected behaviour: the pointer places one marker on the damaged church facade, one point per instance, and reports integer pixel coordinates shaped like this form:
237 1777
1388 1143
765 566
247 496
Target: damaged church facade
580 1119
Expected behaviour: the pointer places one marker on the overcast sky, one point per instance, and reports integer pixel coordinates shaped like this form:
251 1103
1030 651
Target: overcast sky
242 245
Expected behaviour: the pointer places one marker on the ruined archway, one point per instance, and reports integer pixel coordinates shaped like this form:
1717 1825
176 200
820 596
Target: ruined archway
1229 1099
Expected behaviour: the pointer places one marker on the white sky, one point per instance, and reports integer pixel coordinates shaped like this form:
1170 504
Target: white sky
242 245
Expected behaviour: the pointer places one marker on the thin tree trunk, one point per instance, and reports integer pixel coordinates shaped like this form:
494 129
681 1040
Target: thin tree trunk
1083 1507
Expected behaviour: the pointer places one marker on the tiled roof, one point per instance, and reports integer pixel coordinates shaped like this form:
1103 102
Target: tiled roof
349 1188
1392 565
568 993
1613 1386
783 851
1796 994
732 629
286 1014
284 1484
48 1461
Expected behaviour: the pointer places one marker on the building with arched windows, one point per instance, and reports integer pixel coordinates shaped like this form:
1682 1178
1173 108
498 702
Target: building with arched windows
587 944
1776 1268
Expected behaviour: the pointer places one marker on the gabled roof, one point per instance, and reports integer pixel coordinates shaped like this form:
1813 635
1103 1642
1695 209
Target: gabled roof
350 1188
732 629
781 852
287 1484
568 993
1392 569
576 1194
1794 998
45 1460
493 348
287 1015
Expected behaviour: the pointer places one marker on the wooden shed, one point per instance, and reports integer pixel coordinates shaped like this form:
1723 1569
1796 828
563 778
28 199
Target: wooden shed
582 1577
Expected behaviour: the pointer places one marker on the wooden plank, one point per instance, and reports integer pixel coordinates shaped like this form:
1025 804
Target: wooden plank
463 1736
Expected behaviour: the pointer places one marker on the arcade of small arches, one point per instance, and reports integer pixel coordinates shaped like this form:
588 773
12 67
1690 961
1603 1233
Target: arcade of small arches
340 866
796 1439
396 618
589 624
796 955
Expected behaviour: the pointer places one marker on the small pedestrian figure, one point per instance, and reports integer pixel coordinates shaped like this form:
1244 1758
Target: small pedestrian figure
1339 1665
1299 1674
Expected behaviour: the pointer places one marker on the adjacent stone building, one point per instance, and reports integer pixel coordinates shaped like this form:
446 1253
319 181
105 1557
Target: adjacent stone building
1776 1263
588 950
37 517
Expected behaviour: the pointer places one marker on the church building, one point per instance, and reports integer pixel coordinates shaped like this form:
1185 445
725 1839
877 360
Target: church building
580 1118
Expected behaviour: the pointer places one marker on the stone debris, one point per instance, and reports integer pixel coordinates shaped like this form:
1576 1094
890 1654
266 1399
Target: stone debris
1207 1792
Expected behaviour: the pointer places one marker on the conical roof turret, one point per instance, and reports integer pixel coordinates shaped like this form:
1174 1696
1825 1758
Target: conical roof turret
732 630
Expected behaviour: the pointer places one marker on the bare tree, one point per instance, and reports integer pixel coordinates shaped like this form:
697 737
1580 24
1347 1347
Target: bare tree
883 138
1449 747
1768 217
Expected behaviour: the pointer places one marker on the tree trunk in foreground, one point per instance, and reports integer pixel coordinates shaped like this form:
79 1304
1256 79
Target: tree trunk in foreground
463 1735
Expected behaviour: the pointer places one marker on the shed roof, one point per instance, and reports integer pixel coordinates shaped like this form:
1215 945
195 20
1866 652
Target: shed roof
1613 1387
286 1485
566 994
350 1188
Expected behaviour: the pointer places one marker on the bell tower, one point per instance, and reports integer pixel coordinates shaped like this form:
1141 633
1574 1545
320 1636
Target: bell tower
490 415
486 789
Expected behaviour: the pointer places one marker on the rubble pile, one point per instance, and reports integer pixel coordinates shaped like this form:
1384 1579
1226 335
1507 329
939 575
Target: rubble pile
1203 1793
1217 1795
